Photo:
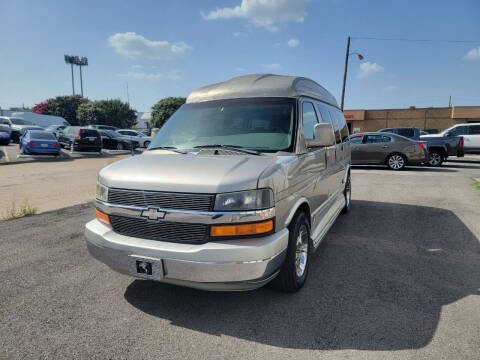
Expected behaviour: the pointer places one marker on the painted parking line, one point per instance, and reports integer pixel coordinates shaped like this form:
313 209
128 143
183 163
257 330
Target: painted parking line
6 154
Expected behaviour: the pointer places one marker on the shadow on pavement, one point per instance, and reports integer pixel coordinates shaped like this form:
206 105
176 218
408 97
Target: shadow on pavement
408 168
378 282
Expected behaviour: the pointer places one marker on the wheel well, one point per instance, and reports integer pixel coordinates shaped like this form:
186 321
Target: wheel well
439 149
306 209
396 153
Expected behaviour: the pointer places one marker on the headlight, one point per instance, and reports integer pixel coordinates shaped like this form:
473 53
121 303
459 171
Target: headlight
244 200
101 192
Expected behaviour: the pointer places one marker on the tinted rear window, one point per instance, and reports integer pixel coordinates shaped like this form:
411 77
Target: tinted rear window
89 133
406 132
42 136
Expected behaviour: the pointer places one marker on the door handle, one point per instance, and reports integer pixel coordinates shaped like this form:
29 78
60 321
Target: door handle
385 146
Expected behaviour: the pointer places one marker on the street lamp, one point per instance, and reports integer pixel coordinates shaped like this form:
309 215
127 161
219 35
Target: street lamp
347 54
80 61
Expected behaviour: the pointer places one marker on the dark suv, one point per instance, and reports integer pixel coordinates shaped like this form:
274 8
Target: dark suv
78 138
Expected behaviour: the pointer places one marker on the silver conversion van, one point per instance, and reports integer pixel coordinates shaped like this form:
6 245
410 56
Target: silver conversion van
237 189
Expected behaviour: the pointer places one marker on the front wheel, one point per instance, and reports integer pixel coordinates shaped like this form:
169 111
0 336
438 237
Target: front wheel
146 144
396 162
435 158
294 270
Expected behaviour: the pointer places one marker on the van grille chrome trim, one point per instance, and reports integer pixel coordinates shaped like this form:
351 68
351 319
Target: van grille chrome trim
164 200
160 231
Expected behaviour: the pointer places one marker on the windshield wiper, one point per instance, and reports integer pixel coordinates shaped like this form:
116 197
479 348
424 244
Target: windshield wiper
228 147
172 148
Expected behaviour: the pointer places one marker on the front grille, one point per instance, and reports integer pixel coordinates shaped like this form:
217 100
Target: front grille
161 231
164 200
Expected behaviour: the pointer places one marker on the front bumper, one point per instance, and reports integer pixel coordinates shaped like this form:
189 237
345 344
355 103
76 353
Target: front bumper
243 264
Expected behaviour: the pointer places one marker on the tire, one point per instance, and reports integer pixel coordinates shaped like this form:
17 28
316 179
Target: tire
72 147
347 193
294 270
435 158
146 144
396 162
119 146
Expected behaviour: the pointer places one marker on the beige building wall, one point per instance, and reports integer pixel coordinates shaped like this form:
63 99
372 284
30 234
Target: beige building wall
423 118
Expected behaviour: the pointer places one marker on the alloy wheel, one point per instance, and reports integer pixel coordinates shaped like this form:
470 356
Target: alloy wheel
301 255
396 162
434 159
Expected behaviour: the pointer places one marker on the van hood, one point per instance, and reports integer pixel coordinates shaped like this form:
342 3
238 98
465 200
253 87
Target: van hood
190 173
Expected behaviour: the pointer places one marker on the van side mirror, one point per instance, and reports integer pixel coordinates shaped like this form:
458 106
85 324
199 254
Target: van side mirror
448 134
323 135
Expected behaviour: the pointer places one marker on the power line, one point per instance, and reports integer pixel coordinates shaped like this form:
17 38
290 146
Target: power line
417 40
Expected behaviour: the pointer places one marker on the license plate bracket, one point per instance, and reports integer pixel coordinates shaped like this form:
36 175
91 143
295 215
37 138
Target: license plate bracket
145 267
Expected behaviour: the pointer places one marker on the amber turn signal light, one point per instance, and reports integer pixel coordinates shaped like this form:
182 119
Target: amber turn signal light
102 217
242 229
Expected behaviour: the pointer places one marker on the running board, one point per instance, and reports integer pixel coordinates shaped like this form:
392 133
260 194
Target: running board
328 220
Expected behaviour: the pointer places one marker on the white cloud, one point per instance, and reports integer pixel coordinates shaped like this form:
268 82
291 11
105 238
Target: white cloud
263 13
133 45
293 42
137 67
273 66
237 34
473 54
367 69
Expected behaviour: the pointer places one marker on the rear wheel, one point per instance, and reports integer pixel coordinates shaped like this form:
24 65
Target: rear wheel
435 158
294 270
347 193
396 162
72 147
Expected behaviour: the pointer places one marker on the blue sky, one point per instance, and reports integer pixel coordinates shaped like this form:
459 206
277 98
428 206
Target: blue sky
169 48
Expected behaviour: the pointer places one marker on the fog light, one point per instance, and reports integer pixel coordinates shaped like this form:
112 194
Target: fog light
242 229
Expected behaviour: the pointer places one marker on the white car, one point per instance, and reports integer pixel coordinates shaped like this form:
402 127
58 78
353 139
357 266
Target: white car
142 139
470 133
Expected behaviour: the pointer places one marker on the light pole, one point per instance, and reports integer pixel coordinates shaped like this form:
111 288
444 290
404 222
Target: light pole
75 60
347 54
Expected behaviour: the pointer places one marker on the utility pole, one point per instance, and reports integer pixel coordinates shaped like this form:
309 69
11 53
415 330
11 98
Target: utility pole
75 60
128 96
347 55
345 72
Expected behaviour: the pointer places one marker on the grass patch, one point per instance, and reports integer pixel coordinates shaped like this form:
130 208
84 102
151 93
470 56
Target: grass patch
14 212
476 185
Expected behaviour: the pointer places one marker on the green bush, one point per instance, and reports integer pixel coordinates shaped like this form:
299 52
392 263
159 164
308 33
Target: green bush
163 109
107 112
64 106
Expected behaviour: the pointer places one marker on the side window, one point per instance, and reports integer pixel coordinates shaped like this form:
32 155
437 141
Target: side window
459 130
336 125
474 130
356 140
373 139
343 126
386 139
406 132
309 119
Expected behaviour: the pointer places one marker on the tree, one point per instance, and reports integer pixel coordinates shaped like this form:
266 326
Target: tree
163 109
63 106
107 112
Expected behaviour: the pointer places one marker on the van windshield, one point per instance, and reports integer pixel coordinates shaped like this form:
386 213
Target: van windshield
263 124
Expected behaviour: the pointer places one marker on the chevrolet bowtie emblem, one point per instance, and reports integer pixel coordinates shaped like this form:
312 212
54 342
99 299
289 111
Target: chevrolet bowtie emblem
153 214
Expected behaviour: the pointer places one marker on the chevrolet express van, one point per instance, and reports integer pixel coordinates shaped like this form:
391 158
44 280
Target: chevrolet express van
237 189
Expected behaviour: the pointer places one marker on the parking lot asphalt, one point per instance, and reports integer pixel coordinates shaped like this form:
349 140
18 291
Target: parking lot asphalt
50 183
396 278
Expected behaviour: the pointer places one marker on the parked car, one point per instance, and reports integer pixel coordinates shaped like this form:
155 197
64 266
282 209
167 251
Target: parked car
114 141
39 142
4 138
103 127
55 129
389 149
470 132
439 147
78 138
237 189
133 135
14 126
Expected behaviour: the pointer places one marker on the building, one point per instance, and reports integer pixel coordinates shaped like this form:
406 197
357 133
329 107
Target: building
143 120
421 118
